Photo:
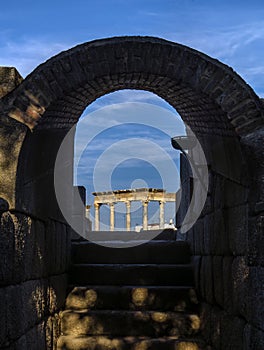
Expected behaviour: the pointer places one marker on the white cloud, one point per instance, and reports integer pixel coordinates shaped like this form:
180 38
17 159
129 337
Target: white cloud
28 54
221 43
239 46
228 44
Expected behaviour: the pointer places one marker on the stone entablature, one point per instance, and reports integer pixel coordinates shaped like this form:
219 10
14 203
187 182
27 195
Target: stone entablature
145 195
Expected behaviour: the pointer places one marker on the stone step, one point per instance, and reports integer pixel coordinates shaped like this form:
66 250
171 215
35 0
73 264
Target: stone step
132 298
129 323
126 236
155 252
128 343
131 274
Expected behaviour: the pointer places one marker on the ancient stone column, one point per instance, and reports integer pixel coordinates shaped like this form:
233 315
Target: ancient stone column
145 215
128 216
161 214
112 216
96 216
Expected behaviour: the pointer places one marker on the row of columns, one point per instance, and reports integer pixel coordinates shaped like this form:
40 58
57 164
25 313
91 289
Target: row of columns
128 215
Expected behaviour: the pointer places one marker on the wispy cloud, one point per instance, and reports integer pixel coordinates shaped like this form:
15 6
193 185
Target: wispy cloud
239 46
223 42
27 54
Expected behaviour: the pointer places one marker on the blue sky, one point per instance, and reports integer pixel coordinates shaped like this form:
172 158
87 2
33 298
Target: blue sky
229 30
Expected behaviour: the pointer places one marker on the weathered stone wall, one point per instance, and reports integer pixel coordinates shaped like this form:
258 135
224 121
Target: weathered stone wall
34 245
219 107
227 247
33 280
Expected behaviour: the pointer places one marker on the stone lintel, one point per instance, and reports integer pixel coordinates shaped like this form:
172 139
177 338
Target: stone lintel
143 194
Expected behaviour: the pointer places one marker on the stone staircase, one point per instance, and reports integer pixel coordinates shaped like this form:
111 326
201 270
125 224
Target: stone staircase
138 298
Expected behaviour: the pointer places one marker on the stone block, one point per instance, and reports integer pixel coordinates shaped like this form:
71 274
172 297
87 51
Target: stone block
206 323
232 331
49 333
68 246
7 248
39 255
197 267
58 248
35 337
219 238
62 237
27 305
255 309
56 330
255 240
57 292
21 343
198 235
23 247
218 281
208 229
191 239
206 278
51 245
39 197
237 229
240 286
65 248
234 194
34 249
208 205
253 338
216 315
228 283
3 308
253 148
34 299
52 331
28 260
15 318
30 247
218 192
224 156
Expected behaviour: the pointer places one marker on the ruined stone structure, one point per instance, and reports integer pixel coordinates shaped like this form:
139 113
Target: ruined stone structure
145 195
227 240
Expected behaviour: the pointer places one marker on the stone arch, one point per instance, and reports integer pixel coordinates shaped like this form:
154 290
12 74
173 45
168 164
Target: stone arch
212 99
208 94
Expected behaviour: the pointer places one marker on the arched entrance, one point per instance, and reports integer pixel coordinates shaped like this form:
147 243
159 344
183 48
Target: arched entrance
220 108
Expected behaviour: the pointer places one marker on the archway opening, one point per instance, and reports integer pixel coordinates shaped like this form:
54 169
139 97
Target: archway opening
123 142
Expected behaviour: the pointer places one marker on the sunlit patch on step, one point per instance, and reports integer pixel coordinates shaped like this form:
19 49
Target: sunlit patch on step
186 346
142 345
82 298
142 297
107 343
159 317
